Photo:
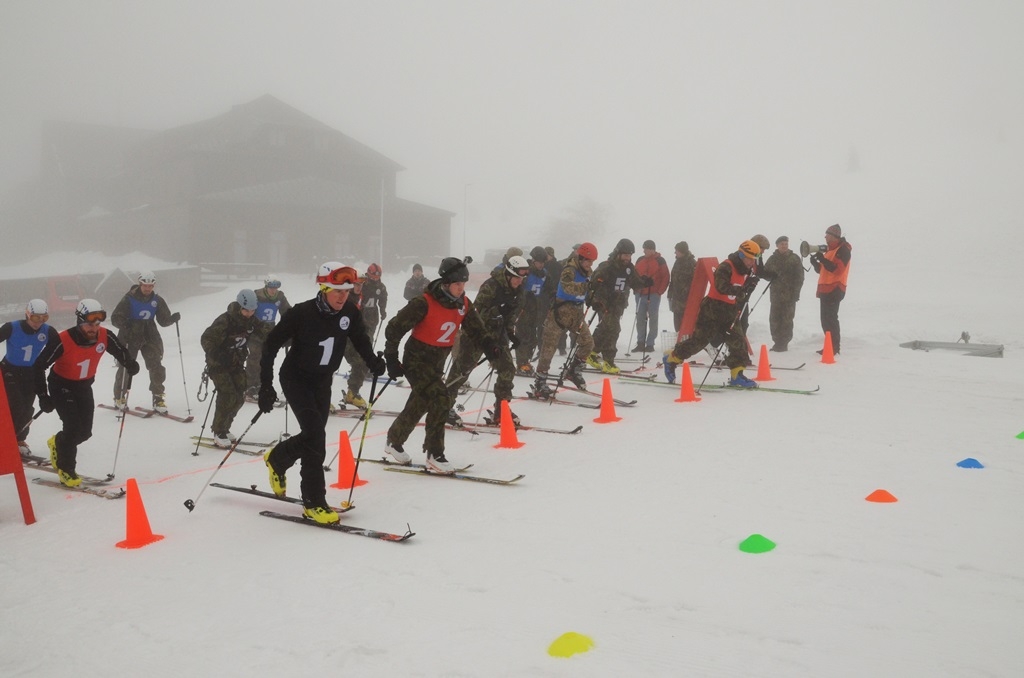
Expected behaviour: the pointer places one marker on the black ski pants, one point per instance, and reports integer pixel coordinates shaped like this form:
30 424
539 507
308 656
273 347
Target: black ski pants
75 405
309 397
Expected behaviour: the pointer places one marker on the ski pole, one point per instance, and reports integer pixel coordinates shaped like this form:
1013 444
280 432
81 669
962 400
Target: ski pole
633 329
126 390
209 407
483 397
29 422
717 352
364 418
362 439
191 504
181 359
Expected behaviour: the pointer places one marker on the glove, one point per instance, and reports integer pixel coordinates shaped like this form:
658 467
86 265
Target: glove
267 398
378 365
45 402
815 258
646 281
132 366
513 341
175 317
750 284
383 314
492 350
395 369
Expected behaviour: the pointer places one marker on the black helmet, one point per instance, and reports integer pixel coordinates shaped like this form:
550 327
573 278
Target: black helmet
625 246
453 270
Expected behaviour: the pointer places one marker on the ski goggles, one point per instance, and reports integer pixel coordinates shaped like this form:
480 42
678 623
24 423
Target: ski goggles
343 278
94 318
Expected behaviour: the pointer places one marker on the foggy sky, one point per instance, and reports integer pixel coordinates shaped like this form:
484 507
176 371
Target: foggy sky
705 121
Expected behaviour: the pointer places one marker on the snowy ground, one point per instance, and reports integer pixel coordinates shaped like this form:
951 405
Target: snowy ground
627 533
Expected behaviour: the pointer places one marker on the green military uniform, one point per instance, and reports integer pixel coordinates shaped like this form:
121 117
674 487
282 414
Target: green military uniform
682 279
423 365
567 314
136 317
267 311
498 306
787 273
717 320
226 344
609 296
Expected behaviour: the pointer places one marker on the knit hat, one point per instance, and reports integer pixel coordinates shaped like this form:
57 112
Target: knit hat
417 267
761 241
682 246
781 239
649 245
538 254
834 230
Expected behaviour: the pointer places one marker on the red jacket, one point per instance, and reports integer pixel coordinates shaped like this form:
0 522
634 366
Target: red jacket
655 267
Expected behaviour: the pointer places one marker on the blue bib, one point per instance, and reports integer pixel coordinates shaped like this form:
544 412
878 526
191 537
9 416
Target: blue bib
22 348
142 310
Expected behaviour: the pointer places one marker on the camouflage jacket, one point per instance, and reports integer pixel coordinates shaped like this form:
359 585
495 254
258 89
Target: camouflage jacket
264 300
788 271
682 278
498 304
134 332
421 357
226 341
611 283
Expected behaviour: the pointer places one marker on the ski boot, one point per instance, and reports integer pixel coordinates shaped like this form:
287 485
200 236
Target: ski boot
454 419
121 403
526 370
541 390
437 463
574 373
740 380
594 361
497 415
159 404
320 512
397 453
278 482
669 362
609 367
52 444
352 398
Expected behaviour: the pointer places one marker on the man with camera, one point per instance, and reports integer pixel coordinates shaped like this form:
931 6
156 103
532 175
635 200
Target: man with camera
832 264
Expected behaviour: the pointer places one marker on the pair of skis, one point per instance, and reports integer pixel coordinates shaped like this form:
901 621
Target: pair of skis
146 413
726 387
90 485
337 527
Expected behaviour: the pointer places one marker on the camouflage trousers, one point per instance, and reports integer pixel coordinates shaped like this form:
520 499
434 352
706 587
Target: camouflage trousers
529 330
465 358
561 318
716 323
606 336
230 385
780 321
429 396
152 355
357 368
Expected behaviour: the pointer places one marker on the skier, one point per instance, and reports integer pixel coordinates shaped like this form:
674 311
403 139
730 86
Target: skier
535 309
648 299
136 317
568 314
833 269
74 364
609 296
374 299
433 320
226 344
415 285
682 279
30 346
319 330
762 274
718 318
357 368
788 271
499 303
270 303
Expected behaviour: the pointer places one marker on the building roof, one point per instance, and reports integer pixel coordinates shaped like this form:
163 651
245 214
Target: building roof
245 121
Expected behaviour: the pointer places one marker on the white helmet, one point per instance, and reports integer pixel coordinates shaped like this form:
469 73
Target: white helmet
90 310
271 282
147 278
37 307
336 276
517 266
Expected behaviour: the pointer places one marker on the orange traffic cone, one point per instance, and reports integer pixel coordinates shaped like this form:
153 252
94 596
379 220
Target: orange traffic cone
686 392
509 440
764 369
138 533
827 356
347 478
607 405
881 497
